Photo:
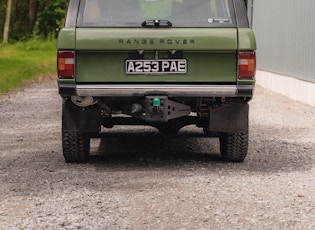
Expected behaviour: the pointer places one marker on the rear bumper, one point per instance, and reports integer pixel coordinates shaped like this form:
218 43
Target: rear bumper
134 90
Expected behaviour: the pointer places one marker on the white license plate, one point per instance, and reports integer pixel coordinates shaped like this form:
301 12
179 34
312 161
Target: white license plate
165 66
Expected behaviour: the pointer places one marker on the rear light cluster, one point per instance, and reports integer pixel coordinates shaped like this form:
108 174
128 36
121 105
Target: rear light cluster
246 65
65 64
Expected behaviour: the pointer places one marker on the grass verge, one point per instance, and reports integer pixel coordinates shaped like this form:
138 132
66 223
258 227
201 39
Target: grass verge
25 61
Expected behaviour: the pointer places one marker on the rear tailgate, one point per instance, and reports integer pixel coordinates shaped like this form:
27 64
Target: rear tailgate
101 54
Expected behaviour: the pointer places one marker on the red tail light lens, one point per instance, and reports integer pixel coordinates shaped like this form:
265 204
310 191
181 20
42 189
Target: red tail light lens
246 65
65 64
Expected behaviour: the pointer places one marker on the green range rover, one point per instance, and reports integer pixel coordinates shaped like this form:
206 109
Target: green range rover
162 63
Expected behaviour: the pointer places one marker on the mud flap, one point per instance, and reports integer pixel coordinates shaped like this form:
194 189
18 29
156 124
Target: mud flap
230 118
83 120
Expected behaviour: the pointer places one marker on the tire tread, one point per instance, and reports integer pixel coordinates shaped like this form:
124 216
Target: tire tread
76 146
234 146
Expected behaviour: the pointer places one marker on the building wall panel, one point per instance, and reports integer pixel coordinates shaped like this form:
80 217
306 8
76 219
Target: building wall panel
285 33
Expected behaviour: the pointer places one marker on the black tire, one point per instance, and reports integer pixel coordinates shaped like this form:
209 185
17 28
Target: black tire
76 146
234 146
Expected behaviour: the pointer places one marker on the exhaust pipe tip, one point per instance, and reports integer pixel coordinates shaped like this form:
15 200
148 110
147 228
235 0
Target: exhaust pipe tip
136 109
83 101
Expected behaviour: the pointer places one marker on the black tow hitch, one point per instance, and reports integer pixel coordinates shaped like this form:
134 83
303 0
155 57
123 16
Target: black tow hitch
161 109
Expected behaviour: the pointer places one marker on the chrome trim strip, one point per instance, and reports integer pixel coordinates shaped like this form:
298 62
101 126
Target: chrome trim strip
116 90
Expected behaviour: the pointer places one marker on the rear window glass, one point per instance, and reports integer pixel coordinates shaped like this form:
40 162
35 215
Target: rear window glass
180 13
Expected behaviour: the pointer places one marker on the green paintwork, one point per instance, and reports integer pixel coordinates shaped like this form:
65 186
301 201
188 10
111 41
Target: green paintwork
156 39
202 67
66 39
211 52
246 39
205 50
66 81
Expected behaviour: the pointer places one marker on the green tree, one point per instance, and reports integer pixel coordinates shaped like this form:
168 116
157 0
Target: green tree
20 26
50 16
40 17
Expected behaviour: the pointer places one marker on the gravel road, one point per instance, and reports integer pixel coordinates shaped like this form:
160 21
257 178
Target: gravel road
138 179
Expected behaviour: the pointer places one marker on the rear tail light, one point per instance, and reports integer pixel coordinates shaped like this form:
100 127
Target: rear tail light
65 64
246 65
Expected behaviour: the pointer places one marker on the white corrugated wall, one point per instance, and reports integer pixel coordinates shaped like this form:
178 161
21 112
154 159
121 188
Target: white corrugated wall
285 33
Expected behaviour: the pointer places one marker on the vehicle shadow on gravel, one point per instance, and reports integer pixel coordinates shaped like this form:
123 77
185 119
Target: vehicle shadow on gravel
147 149
192 150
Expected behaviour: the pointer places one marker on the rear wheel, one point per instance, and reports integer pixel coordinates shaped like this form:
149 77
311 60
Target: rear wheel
234 146
76 146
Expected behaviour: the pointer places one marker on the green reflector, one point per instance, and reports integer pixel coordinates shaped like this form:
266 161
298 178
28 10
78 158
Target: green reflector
156 102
